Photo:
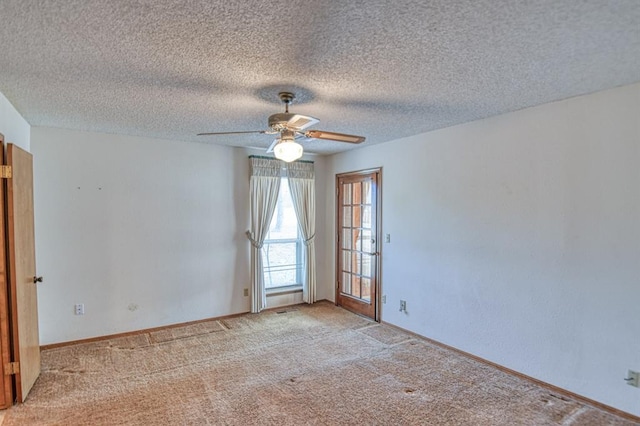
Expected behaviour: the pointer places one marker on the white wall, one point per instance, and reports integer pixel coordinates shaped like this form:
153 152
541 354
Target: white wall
15 129
517 239
144 232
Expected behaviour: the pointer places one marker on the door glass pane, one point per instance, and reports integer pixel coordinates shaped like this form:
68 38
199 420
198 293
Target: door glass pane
346 238
346 191
357 242
366 289
367 261
367 245
357 263
366 217
355 287
357 220
357 193
346 260
346 283
346 216
366 190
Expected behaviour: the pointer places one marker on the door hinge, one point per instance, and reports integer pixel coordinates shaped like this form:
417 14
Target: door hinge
11 368
5 172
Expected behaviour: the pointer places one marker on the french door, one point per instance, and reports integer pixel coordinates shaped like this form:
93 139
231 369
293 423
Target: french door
358 242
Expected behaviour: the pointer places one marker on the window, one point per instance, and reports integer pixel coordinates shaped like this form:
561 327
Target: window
282 248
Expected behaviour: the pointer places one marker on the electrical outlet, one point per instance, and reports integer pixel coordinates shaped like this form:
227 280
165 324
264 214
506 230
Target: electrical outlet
633 378
79 308
387 238
384 298
403 306
246 292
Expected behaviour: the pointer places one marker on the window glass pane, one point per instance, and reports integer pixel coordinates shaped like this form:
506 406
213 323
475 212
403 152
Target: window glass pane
346 216
366 289
366 190
357 193
280 264
346 283
282 249
284 223
346 193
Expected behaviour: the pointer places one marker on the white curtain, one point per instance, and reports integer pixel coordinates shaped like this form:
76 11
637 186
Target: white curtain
302 188
264 186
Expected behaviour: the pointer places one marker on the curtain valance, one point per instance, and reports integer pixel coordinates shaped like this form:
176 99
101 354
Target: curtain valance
299 170
265 167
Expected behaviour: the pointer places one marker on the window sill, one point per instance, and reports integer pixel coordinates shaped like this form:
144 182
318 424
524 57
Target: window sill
284 290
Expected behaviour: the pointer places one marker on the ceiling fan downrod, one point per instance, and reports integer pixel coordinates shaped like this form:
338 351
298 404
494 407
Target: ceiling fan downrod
286 98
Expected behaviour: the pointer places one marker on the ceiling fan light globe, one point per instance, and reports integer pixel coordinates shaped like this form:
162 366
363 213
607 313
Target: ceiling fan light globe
287 151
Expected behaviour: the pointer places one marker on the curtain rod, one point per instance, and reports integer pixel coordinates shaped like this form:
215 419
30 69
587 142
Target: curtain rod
262 157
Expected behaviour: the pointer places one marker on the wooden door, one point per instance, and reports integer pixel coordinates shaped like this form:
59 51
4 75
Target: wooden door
22 270
6 389
358 242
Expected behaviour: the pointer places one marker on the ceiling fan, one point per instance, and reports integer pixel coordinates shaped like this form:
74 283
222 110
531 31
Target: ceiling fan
289 127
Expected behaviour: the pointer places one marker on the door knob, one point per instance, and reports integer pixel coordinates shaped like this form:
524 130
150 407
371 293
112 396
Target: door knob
37 280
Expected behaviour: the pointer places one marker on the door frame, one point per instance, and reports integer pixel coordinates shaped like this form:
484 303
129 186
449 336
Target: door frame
336 243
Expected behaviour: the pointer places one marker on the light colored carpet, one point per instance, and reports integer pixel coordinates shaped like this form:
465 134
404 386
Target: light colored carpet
312 365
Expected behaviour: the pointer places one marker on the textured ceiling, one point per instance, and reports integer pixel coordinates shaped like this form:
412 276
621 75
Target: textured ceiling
377 68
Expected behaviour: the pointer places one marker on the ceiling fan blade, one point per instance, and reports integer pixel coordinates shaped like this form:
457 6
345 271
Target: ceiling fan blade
331 136
232 133
273 145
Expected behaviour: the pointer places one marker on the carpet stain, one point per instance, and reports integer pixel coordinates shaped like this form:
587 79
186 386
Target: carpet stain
560 397
73 371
